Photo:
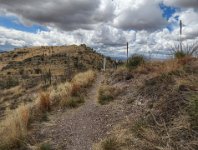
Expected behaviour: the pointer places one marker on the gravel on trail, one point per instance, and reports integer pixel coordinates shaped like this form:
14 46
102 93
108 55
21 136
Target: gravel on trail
79 129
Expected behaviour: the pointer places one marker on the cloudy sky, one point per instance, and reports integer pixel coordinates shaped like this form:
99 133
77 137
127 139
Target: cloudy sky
150 26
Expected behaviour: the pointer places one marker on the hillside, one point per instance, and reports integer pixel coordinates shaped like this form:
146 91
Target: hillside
142 105
160 101
26 71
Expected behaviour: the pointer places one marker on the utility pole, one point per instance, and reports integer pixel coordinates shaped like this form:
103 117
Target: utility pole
180 37
127 52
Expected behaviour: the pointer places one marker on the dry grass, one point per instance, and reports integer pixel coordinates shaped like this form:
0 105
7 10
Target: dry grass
169 119
83 79
158 67
64 92
44 102
14 128
61 93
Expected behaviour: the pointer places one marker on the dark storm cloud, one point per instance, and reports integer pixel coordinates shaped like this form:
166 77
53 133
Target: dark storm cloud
86 14
65 14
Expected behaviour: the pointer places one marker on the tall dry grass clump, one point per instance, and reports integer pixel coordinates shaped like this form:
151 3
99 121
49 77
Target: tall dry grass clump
63 93
14 128
44 102
83 79
60 93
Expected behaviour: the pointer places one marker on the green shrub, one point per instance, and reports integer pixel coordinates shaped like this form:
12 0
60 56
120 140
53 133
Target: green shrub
134 61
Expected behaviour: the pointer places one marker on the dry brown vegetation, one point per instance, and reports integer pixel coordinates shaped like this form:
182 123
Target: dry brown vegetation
14 128
107 94
169 103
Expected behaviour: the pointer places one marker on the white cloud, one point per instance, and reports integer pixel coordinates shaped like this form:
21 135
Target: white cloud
139 15
182 3
105 25
189 19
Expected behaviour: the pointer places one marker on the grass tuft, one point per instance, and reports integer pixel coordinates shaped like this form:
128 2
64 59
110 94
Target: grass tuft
14 128
107 94
83 79
110 144
44 102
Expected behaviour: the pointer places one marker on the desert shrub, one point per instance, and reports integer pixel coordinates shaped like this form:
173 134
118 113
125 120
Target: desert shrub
107 94
134 61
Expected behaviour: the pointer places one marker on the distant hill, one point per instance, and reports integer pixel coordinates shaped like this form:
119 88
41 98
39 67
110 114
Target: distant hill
2 51
31 69
58 59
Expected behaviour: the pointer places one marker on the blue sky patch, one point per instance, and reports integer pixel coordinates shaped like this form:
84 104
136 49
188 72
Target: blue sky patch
13 23
167 11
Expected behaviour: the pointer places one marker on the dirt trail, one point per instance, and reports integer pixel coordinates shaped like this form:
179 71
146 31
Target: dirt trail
78 129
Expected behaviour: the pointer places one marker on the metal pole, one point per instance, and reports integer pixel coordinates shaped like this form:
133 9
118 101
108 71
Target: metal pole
127 52
104 64
180 37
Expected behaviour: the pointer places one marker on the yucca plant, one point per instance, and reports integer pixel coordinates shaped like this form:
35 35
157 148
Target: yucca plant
183 50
